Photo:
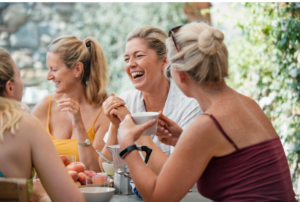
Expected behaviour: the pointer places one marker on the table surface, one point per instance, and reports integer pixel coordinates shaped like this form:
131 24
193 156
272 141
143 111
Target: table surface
192 196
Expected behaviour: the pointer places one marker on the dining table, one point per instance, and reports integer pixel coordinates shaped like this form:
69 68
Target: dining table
192 196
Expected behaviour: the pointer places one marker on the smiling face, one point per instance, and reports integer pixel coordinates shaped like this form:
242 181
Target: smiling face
59 73
142 65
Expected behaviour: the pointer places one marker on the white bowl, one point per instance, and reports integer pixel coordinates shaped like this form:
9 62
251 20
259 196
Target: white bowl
143 117
97 194
108 168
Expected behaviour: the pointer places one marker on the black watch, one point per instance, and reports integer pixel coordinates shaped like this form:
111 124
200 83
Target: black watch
128 149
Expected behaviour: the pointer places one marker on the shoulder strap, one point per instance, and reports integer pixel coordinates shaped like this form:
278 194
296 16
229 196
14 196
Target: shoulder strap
221 130
97 116
49 109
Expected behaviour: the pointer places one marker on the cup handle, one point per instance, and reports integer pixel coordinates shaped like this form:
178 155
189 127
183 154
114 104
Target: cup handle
148 152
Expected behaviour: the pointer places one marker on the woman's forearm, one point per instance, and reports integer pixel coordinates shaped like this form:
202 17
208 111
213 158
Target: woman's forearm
138 171
87 154
157 158
112 140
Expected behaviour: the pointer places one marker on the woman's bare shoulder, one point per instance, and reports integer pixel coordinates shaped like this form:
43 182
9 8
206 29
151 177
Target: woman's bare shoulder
40 110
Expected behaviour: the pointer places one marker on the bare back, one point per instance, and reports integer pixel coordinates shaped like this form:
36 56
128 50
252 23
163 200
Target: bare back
31 147
242 120
15 152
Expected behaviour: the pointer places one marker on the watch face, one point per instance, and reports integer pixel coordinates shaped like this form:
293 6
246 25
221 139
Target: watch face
87 142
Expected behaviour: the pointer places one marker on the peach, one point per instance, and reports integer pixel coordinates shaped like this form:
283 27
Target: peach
65 159
82 178
74 175
76 166
98 179
90 173
78 183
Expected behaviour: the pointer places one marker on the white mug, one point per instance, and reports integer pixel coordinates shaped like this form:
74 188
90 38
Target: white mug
143 117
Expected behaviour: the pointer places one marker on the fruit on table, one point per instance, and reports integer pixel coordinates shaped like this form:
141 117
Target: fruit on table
76 166
98 179
65 159
82 178
90 173
73 174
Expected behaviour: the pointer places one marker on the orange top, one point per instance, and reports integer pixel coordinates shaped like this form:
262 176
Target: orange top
69 146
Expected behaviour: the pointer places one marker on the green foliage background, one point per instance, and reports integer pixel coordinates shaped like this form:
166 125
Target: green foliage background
110 23
265 64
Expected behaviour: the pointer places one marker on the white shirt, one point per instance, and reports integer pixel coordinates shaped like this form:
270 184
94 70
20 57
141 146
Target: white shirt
178 108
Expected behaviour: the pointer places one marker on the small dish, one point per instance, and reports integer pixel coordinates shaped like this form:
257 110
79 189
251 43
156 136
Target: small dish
108 168
97 194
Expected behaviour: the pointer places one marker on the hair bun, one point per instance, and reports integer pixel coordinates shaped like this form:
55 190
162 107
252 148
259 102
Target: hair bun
210 41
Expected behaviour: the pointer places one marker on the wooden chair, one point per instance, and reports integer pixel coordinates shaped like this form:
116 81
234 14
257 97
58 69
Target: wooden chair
13 190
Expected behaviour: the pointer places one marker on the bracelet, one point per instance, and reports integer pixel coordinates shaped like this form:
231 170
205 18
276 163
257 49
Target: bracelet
127 150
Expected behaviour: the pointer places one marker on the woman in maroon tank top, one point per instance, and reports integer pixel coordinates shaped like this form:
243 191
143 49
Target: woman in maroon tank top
232 151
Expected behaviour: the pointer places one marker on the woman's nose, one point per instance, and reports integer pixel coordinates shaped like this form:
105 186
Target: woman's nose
132 62
49 76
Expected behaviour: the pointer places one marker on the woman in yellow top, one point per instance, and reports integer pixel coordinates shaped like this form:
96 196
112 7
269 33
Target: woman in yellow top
73 114
24 142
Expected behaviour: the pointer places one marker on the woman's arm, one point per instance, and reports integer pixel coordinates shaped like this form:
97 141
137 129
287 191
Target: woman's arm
50 169
87 154
182 169
110 104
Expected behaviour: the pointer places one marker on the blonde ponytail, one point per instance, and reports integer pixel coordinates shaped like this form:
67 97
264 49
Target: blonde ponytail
98 76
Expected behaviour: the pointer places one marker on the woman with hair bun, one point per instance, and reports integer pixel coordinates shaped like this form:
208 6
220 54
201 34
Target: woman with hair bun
232 151
73 114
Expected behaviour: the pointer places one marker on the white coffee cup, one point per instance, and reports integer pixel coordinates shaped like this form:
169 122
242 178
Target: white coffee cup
143 117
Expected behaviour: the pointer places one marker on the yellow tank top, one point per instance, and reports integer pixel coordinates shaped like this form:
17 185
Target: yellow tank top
69 146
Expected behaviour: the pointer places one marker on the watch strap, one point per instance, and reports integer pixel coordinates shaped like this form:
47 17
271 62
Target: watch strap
127 150
87 142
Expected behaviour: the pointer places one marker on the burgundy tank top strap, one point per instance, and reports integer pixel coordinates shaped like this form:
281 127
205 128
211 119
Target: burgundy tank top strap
221 130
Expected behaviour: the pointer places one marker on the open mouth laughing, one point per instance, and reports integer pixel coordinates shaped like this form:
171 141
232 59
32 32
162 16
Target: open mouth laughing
136 75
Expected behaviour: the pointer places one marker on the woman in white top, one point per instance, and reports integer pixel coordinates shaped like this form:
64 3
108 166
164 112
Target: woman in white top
145 60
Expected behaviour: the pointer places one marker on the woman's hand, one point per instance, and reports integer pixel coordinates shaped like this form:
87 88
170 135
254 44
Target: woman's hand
168 131
128 132
111 103
72 108
120 112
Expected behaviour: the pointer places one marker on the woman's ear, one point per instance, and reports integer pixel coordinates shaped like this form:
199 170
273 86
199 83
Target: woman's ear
183 77
8 90
165 63
78 69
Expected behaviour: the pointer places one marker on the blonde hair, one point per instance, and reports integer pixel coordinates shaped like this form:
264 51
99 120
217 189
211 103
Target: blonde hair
155 37
203 55
10 114
95 74
6 69
10 110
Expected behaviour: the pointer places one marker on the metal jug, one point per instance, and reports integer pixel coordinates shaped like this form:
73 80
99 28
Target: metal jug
122 176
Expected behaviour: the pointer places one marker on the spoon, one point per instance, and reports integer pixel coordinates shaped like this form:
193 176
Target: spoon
103 157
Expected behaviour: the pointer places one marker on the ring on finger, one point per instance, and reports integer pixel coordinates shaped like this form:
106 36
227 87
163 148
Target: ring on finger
73 107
